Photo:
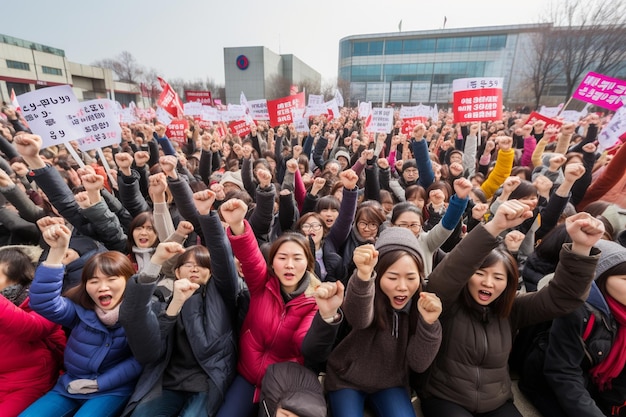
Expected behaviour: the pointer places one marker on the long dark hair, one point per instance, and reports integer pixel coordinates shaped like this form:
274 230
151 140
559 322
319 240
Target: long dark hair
109 263
504 303
381 301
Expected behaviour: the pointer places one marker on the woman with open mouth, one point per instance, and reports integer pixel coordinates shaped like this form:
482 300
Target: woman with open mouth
281 306
395 328
477 284
100 370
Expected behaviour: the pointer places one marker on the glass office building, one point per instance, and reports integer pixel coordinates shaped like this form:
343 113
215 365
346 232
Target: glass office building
419 67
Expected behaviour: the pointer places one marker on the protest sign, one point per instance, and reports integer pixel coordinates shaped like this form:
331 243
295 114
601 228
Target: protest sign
550 123
382 120
603 91
169 100
239 127
48 112
612 133
477 99
333 109
193 108
163 116
203 97
301 124
99 124
258 109
176 131
280 109
315 99
409 124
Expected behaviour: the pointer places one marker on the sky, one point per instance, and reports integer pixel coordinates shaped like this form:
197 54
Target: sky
185 38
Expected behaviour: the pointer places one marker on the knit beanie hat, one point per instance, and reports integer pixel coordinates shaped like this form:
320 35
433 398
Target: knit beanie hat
612 254
232 177
342 153
409 163
397 238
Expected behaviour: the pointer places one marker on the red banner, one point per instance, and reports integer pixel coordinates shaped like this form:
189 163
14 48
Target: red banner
280 109
409 124
203 97
176 131
239 127
480 105
534 117
169 100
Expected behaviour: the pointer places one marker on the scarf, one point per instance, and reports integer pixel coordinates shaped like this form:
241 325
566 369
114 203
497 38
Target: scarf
142 256
16 293
603 373
109 317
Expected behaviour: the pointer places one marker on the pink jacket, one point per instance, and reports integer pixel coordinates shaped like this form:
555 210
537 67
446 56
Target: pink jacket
31 351
272 330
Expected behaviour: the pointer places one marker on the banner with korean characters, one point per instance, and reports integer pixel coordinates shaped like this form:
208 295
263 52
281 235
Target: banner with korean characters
382 120
49 112
176 131
614 131
603 91
477 99
280 109
550 123
99 123
239 127
203 97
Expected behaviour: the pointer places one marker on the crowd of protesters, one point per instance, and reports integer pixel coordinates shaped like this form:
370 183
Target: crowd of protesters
311 274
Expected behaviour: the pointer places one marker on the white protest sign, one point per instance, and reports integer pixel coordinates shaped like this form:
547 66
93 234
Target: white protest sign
315 110
415 111
315 99
297 113
210 114
338 98
193 108
611 133
100 127
333 107
235 112
258 109
301 125
382 120
550 112
572 115
47 112
163 116
365 109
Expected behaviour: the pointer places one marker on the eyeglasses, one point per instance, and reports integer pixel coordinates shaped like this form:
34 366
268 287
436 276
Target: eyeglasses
366 226
311 226
191 265
416 227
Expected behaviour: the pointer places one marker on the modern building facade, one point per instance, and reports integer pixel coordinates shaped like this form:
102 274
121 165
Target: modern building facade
26 66
419 67
253 69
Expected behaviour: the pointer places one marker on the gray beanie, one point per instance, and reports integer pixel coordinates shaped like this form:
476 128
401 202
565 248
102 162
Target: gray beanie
397 238
612 254
342 152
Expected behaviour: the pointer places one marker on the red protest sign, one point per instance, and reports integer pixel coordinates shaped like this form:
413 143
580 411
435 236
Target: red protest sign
280 109
176 131
239 127
203 97
409 124
534 117
480 105
169 100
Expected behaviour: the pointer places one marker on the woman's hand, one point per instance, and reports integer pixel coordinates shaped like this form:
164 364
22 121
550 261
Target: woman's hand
234 212
585 232
365 258
329 297
182 291
429 306
203 200
165 251
510 214
57 236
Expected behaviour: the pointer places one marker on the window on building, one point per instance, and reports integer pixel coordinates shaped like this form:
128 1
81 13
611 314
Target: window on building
344 49
51 70
360 48
376 48
365 73
393 47
497 42
479 43
18 65
19 88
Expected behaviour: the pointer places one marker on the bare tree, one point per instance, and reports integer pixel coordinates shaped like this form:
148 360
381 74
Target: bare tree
125 67
543 63
277 86
589 36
